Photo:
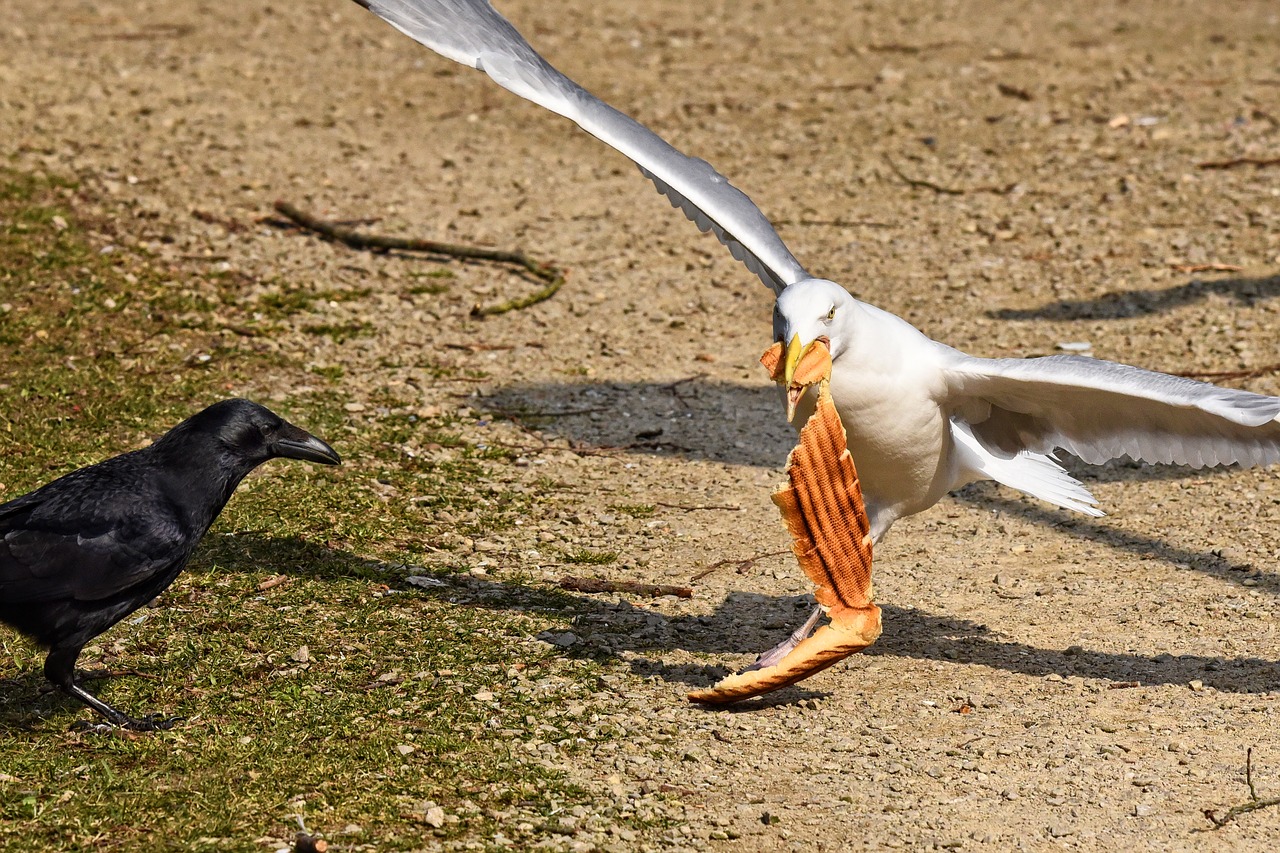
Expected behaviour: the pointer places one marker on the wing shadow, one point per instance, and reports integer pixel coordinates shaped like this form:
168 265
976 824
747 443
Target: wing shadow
1127 304
698 419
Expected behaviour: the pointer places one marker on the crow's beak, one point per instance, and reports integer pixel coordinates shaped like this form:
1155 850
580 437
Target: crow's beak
295 443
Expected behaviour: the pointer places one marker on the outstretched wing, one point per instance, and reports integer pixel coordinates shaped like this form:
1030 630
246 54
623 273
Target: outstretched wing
473 33
1100 410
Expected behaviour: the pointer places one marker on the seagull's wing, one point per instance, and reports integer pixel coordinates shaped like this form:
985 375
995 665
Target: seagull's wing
473 33
1099 410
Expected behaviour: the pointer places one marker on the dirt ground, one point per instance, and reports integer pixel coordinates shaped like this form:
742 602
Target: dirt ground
1044 680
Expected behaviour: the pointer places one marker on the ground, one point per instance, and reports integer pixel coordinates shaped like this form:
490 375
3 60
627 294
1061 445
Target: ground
1010 177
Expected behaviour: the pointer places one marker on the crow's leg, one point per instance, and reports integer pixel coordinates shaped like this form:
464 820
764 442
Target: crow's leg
778 652
60 668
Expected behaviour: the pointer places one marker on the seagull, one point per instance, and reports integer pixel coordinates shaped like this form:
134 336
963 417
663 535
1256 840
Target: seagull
922 418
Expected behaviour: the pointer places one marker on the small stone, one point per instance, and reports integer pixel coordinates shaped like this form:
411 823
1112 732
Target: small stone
354 407
405 748
423 581
434 817
1142 810
302 655
483 696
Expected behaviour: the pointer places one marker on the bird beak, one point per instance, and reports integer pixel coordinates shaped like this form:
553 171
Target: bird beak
794 353
295 443
805 366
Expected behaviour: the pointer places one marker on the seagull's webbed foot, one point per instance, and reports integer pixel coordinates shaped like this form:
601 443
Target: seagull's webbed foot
778 652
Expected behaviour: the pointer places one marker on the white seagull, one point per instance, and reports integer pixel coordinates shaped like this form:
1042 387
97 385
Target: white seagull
922 418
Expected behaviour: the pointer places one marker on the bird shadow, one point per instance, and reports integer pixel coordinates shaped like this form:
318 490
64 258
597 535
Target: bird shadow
694 418
746 623
741 425
742 624
27 699
1099 531
1119 305
638 634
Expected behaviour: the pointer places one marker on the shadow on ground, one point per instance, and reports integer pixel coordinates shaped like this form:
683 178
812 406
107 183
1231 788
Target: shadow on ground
1140 303
742 425
743 625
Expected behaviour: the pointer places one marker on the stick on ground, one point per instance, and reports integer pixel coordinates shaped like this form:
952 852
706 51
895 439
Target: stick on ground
1244 808
552 276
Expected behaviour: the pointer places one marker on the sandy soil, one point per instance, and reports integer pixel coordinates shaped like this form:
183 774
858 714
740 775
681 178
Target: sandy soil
1044 680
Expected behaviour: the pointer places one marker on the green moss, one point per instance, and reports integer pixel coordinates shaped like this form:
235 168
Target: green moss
381 712
584 557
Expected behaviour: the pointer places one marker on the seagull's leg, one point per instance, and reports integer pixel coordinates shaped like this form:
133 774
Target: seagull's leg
778 652
60 668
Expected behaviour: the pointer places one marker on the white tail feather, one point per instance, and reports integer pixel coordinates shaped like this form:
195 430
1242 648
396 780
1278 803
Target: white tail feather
1037 474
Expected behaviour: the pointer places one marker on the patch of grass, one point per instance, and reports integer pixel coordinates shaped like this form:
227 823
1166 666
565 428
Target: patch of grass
432 287
332 372
287 301
342 693
340 332
634 510
585 557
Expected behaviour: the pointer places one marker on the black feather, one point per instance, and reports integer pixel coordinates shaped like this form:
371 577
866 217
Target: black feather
85 551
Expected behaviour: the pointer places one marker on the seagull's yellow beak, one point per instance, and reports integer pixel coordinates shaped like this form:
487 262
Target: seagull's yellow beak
801 367
795 352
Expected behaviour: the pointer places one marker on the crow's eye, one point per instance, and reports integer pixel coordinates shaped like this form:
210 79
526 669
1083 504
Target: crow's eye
266 428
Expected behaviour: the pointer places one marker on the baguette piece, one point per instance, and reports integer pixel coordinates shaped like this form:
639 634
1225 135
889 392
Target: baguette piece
823 509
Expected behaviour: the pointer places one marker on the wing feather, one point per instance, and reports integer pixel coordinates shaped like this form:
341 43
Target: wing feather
473 33
1100 410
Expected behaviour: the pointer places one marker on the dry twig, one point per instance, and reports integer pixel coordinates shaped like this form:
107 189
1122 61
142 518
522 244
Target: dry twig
1013 92
938 188
553 276
1244 808
601 585
740 566
696 507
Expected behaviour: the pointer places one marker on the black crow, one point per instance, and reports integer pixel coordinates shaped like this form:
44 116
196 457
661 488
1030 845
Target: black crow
85 551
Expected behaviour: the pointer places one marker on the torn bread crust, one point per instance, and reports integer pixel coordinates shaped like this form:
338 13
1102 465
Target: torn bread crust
829 644
812 368
823 509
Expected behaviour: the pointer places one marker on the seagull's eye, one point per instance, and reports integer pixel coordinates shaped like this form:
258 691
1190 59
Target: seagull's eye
831 315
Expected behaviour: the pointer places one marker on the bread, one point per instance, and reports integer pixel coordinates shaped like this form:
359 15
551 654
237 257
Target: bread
823 509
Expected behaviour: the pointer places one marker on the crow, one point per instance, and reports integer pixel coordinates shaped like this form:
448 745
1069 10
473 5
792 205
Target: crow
85 551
